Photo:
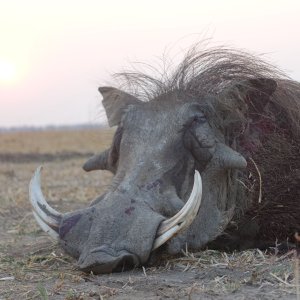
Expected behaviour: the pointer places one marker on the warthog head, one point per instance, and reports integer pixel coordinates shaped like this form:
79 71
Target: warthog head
160 147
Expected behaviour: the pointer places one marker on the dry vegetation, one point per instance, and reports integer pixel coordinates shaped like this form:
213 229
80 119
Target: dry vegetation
33 267
56 141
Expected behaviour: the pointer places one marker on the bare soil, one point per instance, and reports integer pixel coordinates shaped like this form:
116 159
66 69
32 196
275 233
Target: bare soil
33 267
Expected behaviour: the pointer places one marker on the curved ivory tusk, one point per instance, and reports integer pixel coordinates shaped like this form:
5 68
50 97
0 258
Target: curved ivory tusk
184 218
47 217
45 227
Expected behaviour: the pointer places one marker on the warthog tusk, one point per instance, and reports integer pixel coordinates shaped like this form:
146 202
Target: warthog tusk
47 217
184 218
46 227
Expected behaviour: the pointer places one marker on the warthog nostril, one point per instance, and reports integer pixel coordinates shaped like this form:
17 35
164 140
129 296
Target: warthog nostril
127 262
106 260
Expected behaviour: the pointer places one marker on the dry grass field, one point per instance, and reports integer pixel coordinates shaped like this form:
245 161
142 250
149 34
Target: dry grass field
33 267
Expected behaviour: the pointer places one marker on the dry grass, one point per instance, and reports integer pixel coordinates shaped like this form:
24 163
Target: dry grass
256 267
85 140
32 267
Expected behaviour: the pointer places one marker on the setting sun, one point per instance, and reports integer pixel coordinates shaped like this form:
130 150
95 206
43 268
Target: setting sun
7 71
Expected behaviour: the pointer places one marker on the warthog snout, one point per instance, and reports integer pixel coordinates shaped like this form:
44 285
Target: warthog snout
116 233
106 260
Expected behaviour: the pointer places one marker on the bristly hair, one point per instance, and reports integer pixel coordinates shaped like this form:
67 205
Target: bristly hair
256 107
202 71
221 73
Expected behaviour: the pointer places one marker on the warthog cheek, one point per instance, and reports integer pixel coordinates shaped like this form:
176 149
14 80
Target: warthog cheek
68 224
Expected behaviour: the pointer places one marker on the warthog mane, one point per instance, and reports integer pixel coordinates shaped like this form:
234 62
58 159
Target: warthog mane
264 127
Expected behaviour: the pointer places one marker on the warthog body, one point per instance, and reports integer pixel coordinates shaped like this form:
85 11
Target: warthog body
227 114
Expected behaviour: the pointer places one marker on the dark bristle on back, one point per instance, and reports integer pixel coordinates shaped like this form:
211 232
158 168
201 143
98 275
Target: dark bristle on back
263 126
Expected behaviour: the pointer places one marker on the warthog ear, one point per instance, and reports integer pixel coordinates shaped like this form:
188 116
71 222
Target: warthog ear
105 160
115 102
97 162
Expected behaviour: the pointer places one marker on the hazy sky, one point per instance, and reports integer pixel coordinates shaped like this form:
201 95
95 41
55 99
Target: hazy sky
55 54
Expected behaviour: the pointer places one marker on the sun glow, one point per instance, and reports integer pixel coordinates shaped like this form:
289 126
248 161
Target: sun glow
7 71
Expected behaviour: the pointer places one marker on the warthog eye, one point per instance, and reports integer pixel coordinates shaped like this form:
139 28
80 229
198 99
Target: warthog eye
199 119
194 121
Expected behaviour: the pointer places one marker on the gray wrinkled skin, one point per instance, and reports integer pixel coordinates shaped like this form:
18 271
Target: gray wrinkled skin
81 234
154 154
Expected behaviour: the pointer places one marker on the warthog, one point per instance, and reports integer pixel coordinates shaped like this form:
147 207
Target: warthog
223 114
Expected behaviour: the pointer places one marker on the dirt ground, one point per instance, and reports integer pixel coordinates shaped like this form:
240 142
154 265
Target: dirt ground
33 267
